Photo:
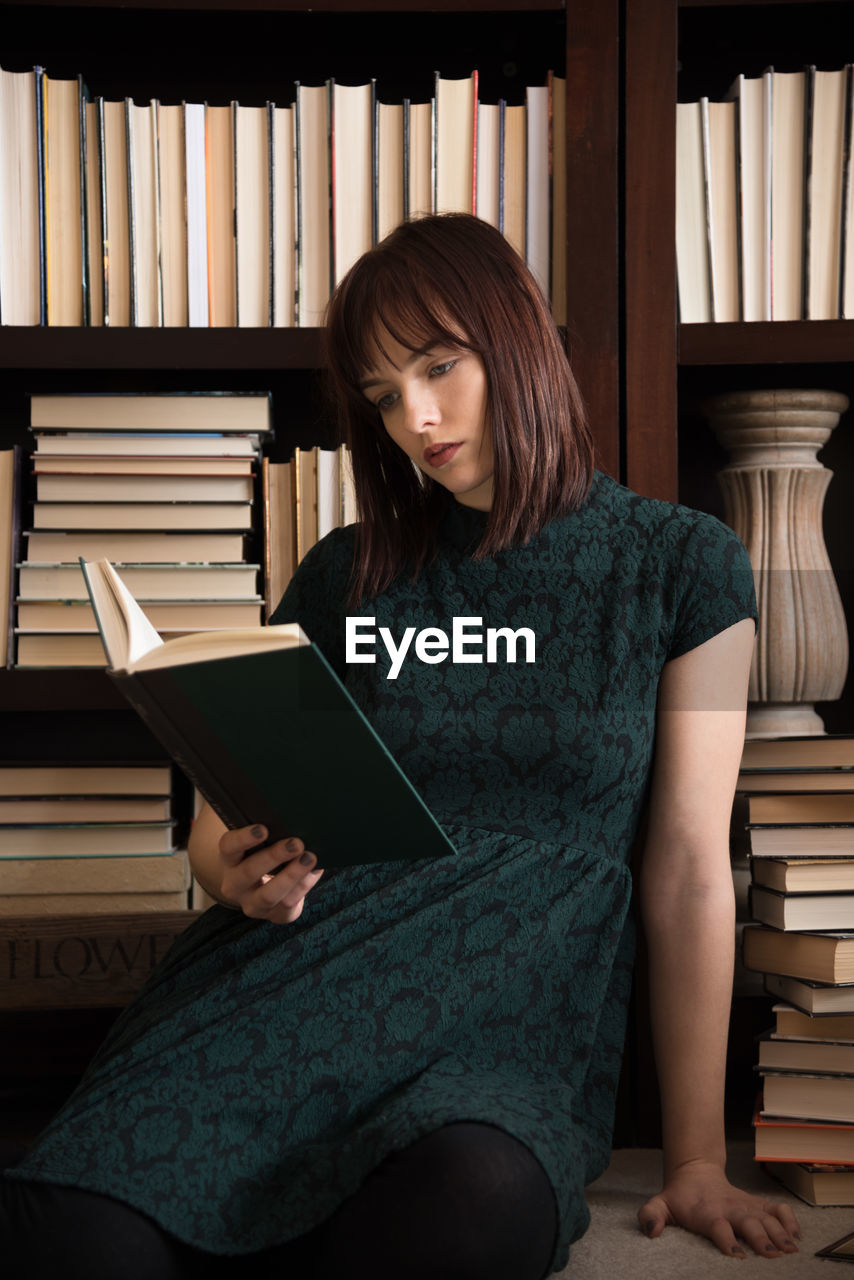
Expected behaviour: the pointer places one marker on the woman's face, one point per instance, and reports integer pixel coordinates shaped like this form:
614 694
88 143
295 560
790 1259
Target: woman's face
432 403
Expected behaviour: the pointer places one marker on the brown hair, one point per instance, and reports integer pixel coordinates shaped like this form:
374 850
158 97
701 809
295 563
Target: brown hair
454 279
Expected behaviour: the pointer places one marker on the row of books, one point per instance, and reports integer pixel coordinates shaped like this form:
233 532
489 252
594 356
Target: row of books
89 840
765 199
126 213
797 796
164 487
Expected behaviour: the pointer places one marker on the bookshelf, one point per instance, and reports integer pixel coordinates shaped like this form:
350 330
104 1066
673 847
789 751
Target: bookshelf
679 50
253 51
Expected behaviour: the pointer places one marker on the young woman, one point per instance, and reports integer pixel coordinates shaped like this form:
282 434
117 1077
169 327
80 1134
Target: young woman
409 1069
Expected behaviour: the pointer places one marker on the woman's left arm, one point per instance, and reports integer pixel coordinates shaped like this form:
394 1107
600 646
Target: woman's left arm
687 902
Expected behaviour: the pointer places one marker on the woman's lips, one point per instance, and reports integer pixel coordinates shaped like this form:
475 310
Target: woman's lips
437 455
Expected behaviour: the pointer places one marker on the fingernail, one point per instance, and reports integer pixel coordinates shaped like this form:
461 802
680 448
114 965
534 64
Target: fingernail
292 845
307 859
796 1234
738 1251
257 832
771 1248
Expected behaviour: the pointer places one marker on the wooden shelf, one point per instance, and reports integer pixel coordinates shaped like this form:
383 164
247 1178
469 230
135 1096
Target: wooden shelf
59 689
67 348
780 341
310 6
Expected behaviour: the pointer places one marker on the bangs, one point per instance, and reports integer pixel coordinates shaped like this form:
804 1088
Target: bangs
381 300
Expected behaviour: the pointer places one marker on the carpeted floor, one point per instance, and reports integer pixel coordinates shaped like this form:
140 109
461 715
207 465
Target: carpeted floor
614 1247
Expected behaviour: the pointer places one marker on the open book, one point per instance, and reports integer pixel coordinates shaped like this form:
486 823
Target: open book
260 723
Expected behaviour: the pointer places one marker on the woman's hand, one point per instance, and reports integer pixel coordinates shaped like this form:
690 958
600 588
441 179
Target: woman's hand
251 881
699 1197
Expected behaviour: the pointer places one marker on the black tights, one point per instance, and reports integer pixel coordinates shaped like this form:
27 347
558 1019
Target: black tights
466 1202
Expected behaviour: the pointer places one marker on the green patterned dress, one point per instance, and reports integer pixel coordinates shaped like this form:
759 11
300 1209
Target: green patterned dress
266 1069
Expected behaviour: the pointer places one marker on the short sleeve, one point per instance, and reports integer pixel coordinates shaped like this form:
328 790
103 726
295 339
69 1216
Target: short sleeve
316 596
716 587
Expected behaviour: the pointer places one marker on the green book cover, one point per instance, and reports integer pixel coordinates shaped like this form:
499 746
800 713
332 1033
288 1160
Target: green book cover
272 736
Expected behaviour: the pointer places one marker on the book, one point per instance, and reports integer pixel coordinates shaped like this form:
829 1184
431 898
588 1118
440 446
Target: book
10 470
92 200
693 262
353 165
85 780
514 178
790 911
27 810
557 160
52 616
816 999
818 957
846 252
85 840
418 143
795 807
328 479
304 473
206 411
721 168
156 516
279 531
817 1184
107 487
488 162
753 185
825 130
214 700
802 840
128 465
196 215
219 191
155 444
538 186
137 902
808 1097
146 581
798 753
808 1056
391 171
20 230
115 212
146 296
812 1141
795 1024
835 779
284 217
63 156
313 217
160 548
788 193
842 1250
172 165
804 875
252 198
455 143
46 877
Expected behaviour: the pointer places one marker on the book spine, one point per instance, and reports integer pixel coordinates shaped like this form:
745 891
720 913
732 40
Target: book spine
375 163
132 227
40 180
707 202
846 232
82 97
271 214
102 178
299 283
809 164
407 154
502 109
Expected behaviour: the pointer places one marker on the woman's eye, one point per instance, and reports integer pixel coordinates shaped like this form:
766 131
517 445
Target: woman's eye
439 369
386 401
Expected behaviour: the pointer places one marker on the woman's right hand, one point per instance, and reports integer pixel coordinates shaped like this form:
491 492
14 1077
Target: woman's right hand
251 881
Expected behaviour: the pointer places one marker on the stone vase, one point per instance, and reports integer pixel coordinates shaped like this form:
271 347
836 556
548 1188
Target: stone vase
774 488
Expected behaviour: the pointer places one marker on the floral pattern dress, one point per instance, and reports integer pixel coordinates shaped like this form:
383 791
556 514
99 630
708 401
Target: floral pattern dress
265 1070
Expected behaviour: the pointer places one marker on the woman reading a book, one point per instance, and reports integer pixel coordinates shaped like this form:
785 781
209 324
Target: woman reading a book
408 1069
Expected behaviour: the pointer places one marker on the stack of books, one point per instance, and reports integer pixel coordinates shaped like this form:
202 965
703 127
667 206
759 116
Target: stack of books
163 485
248 214
765 199
89 840
796 796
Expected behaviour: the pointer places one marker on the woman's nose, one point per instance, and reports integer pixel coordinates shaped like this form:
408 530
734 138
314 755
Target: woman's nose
420 409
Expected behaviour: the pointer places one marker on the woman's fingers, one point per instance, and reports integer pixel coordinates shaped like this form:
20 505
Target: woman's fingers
272 882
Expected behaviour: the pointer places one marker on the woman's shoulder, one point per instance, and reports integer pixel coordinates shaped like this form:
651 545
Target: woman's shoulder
650 520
